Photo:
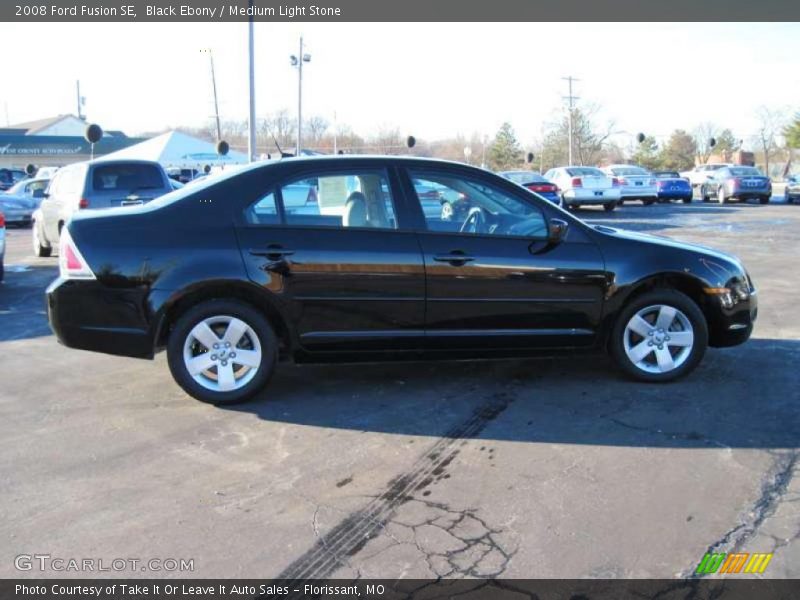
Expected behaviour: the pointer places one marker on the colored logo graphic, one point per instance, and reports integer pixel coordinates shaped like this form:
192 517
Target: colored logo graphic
735 562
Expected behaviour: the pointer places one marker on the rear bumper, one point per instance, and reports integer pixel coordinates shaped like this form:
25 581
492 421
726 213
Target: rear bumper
87 315
587 196
749 194
638 192
675 194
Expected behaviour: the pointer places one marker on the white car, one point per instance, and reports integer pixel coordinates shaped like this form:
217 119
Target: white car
585 185
635 183
700 174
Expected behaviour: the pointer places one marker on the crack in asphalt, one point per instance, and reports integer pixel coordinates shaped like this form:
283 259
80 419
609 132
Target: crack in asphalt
774 487
346 539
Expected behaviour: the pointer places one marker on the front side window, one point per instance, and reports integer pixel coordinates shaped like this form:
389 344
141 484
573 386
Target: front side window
462 204
352 199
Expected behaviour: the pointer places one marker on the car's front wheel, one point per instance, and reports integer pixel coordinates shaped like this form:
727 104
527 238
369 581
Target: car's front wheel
687 200
609 206
764 199
721 198
222 351
659 336
648 202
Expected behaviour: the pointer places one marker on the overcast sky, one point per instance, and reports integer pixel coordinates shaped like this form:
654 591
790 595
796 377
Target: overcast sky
430 80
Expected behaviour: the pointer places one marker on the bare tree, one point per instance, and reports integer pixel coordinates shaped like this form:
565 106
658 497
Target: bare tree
770 125
703 134
317 126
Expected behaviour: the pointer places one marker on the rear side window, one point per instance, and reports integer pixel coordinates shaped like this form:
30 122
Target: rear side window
128 178
264 211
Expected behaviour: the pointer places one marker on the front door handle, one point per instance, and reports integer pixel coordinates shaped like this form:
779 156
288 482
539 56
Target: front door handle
272 252
456 258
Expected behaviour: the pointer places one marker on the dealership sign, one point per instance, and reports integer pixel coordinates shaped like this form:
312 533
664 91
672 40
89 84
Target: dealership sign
51 145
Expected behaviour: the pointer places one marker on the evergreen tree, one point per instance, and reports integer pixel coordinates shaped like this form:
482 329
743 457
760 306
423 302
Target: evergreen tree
505 152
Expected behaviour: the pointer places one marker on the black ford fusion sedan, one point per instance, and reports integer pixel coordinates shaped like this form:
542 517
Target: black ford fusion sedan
334 259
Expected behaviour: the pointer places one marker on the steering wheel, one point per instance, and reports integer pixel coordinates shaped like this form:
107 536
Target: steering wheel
475 221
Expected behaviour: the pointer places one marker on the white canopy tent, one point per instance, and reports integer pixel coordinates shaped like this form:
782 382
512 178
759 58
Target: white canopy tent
176 149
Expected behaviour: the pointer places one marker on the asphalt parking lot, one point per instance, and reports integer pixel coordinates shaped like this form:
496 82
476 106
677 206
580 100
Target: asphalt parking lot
554 468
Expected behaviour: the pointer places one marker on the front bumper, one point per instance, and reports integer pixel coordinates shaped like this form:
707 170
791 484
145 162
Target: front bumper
731 321
88 315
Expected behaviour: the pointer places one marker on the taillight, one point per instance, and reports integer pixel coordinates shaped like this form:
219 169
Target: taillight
615 181
71 263
541 187
2 220
577 182
621 181
84 203
736 181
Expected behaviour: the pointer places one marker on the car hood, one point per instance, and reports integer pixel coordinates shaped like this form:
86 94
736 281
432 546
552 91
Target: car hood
666 242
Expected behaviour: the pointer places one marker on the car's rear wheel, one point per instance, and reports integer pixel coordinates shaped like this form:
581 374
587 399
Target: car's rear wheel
687 200
660 336
648 202
609 206
39 249
222 351
721 198
764 199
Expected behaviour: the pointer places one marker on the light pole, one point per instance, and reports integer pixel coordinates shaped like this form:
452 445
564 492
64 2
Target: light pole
251 124
297 61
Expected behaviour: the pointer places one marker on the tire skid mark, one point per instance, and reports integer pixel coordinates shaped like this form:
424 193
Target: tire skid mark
350 535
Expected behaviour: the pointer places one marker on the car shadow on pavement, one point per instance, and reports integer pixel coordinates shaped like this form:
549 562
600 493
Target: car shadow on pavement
743 397
23 309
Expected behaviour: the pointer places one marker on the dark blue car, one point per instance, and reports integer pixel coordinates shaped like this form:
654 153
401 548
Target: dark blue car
671 186
535 183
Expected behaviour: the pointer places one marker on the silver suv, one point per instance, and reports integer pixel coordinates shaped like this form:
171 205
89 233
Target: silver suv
97 184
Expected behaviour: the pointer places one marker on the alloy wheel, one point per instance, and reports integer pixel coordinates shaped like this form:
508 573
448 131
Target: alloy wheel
222 353
658 339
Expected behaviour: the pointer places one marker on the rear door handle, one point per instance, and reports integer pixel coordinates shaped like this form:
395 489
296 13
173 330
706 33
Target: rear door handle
454 258
271 252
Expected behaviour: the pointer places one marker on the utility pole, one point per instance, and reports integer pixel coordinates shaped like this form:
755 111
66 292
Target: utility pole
251 122
214 89
297 61
335 131
571 100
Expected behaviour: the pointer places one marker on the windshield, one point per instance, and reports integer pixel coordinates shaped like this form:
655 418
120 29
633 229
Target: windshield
585 172
745 172
629 171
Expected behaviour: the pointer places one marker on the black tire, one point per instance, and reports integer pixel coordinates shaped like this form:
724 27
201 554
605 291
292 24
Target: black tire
221 307
703 195
2 270
648 201
668 297
764 199
38 248
687 200
609 206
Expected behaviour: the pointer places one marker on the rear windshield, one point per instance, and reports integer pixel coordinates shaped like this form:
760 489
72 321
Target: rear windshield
629 171
666 174
523 177
590 171
745 172
130 177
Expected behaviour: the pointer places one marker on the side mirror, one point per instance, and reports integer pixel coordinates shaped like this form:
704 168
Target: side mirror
557 230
